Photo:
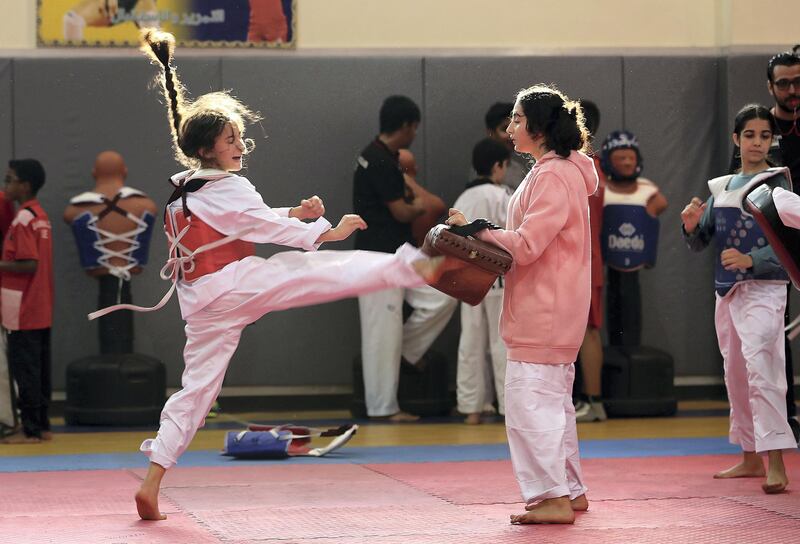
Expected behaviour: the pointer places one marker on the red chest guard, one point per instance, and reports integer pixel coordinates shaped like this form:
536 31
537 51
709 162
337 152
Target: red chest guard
201 234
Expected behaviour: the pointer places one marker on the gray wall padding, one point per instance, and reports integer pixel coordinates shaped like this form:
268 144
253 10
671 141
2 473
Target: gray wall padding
669 105
319 112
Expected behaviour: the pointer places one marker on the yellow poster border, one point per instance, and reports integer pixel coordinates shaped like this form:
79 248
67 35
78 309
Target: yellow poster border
200 44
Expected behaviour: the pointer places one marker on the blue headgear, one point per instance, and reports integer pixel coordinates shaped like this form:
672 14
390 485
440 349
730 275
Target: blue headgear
620 139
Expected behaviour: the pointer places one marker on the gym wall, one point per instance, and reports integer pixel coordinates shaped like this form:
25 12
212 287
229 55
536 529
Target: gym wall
319 111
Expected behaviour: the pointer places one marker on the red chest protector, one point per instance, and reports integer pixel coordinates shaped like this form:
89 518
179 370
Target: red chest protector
197 235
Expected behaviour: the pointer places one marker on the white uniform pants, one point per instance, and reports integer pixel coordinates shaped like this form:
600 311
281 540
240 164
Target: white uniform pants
384 338
542 435
480 334
749 323
286 280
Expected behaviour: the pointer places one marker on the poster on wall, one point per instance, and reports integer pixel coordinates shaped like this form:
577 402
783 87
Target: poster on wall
197 23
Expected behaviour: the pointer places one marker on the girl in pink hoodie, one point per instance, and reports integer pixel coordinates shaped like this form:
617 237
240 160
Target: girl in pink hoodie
546 301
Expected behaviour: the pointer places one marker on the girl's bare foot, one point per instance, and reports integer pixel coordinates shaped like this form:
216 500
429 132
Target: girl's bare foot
580 503
147 496
547 511
473 419
777 480
147 504
751 467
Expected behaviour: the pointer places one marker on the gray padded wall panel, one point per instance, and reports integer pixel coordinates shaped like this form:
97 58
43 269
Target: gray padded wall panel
459 90
318 115
670 104
65 113
6 112
747 82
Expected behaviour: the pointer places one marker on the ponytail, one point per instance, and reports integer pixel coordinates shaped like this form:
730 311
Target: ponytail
159 46
560 120
196 124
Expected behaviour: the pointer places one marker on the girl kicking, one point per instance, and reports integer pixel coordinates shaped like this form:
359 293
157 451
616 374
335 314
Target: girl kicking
213 220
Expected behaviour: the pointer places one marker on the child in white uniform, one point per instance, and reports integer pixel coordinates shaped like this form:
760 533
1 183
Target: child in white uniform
486 197
213 220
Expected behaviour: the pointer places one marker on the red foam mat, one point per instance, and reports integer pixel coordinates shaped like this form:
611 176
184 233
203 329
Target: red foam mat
649 500
608 479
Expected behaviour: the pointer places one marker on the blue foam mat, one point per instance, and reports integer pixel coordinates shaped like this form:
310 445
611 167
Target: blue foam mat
376 455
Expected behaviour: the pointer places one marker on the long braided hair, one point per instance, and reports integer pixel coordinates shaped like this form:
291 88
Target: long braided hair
196 124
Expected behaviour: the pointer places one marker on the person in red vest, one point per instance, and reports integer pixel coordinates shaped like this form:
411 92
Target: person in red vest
27 299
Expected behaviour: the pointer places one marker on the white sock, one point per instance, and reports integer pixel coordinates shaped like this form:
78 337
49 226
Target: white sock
73 26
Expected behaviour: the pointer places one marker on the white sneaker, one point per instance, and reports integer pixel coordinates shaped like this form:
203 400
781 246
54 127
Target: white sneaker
590 412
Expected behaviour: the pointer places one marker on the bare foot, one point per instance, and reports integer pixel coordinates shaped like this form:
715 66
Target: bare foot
147 496
20 438
147 504
751 467
547 511
473 419
580 503
47 435
430 269
399 417
777 480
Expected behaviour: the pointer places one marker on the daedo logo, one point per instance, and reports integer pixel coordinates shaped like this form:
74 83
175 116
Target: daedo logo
626 242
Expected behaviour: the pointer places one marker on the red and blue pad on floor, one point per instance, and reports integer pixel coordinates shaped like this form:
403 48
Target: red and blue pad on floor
282 441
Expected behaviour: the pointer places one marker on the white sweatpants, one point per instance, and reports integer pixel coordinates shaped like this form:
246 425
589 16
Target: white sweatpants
480 333
385 338
285 280
749 323
541 429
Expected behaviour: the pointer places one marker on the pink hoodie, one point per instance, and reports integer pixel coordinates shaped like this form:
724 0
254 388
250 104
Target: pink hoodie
547 290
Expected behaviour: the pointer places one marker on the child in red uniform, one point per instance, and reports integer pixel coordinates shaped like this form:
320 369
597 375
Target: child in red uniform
27 299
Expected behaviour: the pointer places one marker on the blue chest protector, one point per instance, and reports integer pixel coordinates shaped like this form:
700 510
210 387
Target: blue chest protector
735 228
92 240
630 235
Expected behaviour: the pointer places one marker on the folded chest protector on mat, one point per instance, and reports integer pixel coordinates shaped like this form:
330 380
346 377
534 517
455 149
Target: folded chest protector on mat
471 266
282 441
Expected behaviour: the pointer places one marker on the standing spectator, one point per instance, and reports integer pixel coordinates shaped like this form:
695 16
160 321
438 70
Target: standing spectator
496 119
27 299
382 198
486 197
589 406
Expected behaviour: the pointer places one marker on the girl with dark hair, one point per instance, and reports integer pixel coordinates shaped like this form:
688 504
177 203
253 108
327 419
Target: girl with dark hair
213 220
546 301
750 300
